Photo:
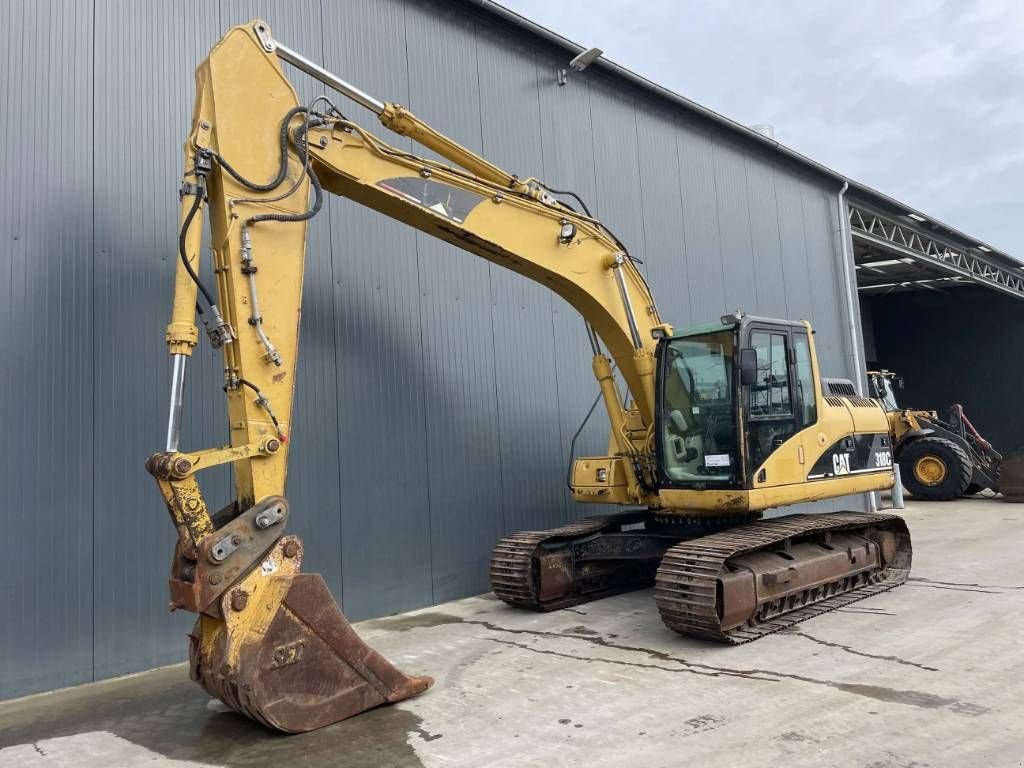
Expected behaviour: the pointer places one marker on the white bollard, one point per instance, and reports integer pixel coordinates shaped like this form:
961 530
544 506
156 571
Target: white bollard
897 489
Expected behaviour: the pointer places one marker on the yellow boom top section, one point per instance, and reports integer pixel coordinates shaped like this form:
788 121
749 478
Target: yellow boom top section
247 120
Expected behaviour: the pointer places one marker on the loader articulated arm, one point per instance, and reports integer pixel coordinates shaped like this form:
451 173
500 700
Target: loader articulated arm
269 640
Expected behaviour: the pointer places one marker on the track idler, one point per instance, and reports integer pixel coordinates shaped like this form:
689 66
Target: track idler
280 651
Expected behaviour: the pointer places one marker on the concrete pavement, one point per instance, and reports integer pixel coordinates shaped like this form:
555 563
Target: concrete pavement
930 674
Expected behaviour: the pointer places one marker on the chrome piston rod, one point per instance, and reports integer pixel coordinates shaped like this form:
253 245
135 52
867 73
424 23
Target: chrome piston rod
627 304
177 400
296 59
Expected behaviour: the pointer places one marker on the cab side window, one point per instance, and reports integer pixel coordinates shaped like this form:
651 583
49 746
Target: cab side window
769 396
808 408
770 407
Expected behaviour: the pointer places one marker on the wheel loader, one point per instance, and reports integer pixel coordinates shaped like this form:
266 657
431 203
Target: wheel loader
717 423
939 459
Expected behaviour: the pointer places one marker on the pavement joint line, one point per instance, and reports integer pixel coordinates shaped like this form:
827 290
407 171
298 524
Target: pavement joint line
955 589
686 667
855 652
864 611
925 581
921 699
900 696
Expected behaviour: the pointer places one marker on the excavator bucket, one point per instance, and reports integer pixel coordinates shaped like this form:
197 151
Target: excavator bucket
285 655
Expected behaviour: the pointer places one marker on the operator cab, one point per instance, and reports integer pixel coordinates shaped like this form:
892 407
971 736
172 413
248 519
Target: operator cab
882 386
730 394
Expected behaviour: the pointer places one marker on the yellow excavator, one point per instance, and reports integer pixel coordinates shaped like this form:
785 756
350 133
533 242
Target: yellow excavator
721 422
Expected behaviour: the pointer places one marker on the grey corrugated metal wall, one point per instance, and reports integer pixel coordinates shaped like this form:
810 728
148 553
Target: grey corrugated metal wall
437 393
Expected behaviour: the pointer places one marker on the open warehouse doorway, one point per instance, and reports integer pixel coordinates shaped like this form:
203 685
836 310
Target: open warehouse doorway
942 311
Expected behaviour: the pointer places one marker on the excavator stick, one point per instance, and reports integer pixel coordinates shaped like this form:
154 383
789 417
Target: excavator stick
270 641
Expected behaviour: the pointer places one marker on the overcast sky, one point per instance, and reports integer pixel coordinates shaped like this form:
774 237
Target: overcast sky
921 99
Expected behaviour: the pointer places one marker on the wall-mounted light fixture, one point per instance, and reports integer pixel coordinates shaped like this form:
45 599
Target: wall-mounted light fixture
579 63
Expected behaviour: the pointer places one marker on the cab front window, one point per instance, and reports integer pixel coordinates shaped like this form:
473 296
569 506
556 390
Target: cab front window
697 410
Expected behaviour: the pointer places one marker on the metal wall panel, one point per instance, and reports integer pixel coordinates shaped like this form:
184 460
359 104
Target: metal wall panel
381 386
828 298
137 172
703 242
437 394
530 443
799 281
463 452
737 254
616 199
765 239
47 308
662 210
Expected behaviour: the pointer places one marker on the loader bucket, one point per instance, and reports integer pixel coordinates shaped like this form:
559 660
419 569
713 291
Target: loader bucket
285 655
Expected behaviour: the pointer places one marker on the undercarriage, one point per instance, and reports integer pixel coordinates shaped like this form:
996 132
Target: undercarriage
726 578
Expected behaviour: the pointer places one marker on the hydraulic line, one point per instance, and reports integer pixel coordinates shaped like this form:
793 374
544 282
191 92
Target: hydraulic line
255 317
264 200
197 201
282 170
248 265
573 195
318 201
264 403
572 444
604 226
590 412
297 138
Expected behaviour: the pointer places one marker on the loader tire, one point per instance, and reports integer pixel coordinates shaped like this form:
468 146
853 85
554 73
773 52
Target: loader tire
935 469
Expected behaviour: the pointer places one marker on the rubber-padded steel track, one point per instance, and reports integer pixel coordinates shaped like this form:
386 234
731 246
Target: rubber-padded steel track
686 588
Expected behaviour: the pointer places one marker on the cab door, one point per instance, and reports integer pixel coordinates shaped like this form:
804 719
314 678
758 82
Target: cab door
804 375
773 408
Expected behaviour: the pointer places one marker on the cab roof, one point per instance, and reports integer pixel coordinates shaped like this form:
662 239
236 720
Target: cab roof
733 321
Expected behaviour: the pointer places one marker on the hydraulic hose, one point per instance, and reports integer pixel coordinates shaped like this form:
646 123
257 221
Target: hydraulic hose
573 195
303 152
282 170
572 445
198 201
318 201
264 403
